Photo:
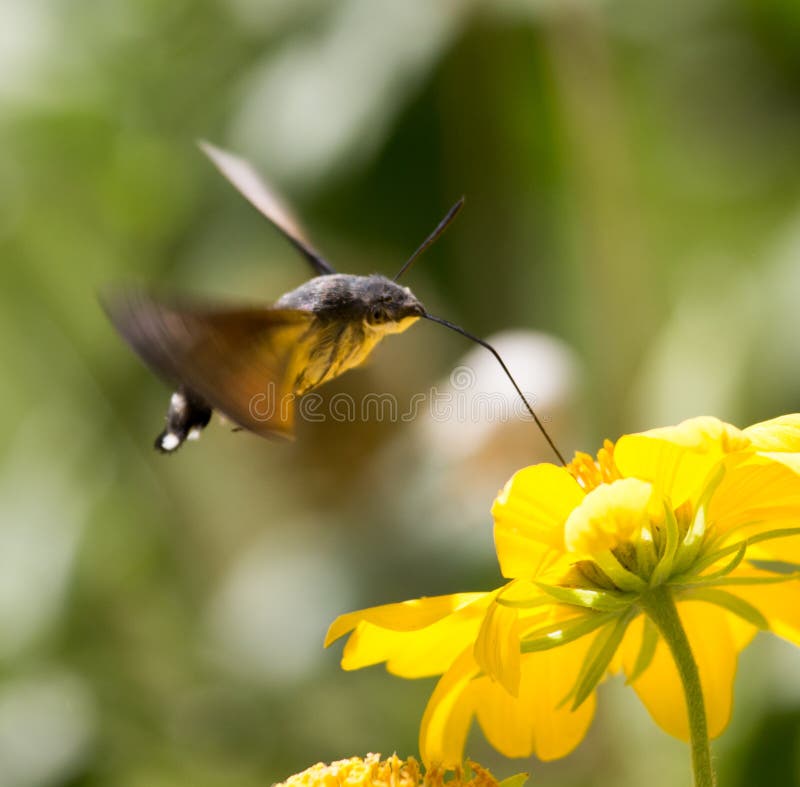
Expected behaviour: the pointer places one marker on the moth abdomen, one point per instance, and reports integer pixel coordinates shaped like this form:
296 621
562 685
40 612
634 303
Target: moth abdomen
188 414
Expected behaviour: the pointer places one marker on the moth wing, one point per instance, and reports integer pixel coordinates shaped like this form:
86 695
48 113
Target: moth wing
241 361
244 178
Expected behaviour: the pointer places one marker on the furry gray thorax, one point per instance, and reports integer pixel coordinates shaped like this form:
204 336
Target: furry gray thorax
372 299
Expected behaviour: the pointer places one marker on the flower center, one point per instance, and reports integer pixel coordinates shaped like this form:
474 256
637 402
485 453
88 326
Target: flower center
591 473
624 536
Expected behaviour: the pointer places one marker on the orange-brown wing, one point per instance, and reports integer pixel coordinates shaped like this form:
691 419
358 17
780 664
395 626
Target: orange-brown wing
241 361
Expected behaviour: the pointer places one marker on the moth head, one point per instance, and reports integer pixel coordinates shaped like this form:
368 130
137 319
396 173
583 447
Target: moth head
390 307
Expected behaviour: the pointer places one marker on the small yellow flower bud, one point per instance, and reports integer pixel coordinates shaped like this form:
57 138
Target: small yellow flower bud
611 514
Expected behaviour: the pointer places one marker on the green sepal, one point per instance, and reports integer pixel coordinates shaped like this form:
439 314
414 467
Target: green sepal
557 634
598 658
732 603
625 580
646 557
693 575
667 560
517 780
598 600
734 581
769 535
522 603
646 650
693 540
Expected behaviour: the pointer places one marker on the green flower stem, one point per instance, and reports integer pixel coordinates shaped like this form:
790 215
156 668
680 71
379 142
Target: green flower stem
660 607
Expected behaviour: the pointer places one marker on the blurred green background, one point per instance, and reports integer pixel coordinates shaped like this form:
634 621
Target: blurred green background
632 173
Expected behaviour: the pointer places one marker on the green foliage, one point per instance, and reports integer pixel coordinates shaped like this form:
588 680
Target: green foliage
631 180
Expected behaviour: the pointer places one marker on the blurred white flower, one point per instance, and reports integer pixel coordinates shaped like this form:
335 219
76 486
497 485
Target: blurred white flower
476 433
269 616
26 36
487 412
46 727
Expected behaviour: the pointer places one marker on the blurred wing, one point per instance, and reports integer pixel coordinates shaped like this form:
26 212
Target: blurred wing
241 361
249 184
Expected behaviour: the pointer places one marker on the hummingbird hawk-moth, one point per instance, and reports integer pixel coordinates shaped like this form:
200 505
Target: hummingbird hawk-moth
250 363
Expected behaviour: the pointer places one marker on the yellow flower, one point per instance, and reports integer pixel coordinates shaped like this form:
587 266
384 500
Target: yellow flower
371 771
700 521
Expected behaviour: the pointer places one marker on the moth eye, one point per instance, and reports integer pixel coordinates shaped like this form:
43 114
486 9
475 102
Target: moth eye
377 314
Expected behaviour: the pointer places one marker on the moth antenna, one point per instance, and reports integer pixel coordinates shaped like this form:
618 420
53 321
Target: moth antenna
440 228
453 327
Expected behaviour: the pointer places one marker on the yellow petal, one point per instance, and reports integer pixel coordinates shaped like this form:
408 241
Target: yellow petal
701 434
537 721
402 616
789 459
497 647
714 650
413 652
610 514
758 493
677 459
447 717
416 654
779 434
779 603
529 516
